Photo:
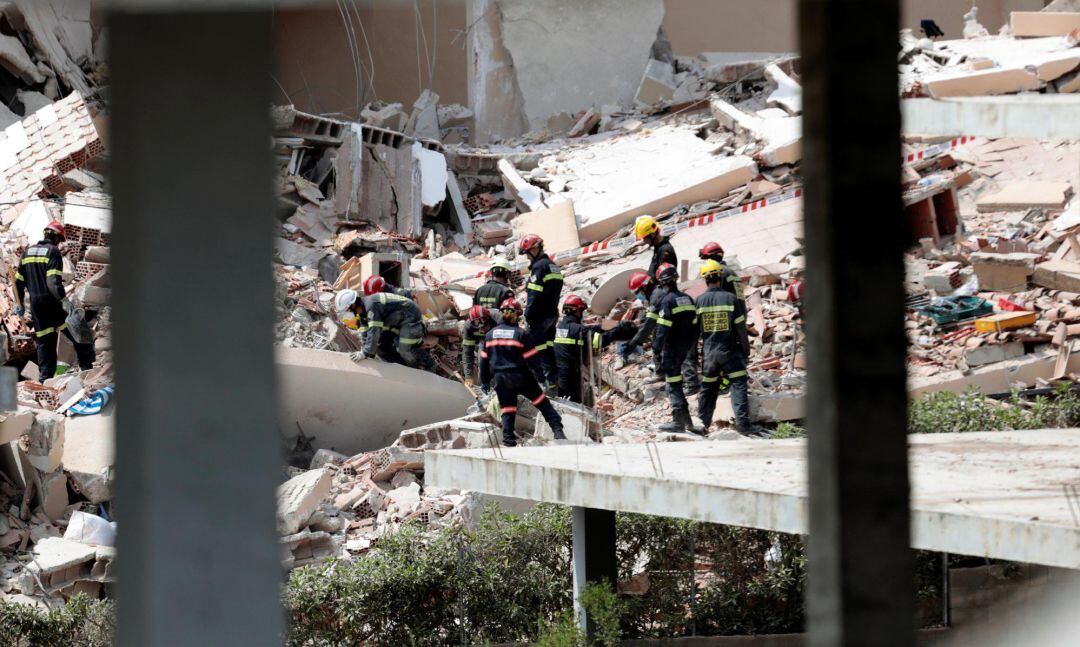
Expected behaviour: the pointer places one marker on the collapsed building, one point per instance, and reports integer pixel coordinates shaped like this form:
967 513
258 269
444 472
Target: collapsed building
709 144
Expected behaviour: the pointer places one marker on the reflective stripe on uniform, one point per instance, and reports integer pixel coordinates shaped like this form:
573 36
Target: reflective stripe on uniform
720 308
553 276
384 296
735 374
468 342
709 380
54 273
513 343
663 322
408 341
48 331
673 379
508 410
540 398
567 340
596 341
543 346
529 353
35 259
651 315
19 277
677 309
376 324
740 319
536 287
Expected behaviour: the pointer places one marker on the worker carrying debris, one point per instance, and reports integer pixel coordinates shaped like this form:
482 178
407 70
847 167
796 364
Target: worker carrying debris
497 289
676 331
725 350
542 308
478 322
572 337
41 273
386 314
375 284
647 229
712 251
503 366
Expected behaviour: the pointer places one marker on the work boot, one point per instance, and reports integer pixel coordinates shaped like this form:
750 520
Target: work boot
678 424
705 424
688 422
557 432
509 443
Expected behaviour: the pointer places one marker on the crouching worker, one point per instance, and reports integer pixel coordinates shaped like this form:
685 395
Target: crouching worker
503 365
476 326
572 337
726 349
393 315
351 315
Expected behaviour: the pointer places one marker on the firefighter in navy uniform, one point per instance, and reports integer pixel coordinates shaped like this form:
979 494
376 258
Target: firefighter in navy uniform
542 308
676 330
41 274
647 229
503 367
730 281
388 313
726 349
572 337
478 322
497 289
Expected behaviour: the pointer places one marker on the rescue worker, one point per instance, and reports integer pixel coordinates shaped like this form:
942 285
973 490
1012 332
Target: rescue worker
478 322
572 337
647 229
712 251
350 313
375 284
676 330
497 289
726 349
691 383
503 367
387 313
795 294
541 308
645 289
41 273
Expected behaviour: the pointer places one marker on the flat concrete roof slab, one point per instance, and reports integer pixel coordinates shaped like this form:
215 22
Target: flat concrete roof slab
1004 495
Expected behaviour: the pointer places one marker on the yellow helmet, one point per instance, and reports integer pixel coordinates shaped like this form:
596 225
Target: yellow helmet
500 264
645 226
710 268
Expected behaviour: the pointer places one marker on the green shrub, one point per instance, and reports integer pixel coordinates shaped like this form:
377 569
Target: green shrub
945 412
81 622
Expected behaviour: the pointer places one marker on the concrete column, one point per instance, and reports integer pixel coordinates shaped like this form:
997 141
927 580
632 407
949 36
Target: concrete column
197 440
860 577
594 555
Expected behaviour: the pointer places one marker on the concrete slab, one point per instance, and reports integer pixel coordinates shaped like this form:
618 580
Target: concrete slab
352 407
1043 23
89 453
557 225
994 494
1034 116
1017 196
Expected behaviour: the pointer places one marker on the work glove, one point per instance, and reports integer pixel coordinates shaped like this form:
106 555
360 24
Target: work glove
20 310
358 356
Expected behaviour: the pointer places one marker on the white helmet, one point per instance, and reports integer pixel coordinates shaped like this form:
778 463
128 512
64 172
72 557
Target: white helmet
344 300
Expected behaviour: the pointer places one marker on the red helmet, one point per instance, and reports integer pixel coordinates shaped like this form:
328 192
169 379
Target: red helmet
57 227
667 273
574 302
638 280
374 284
479 317
511 304
529 241
711 249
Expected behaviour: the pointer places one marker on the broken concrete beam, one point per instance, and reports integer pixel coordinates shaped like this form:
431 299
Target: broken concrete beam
1005 80
781 137
788 93
344 405
462 215
1058 275
1004 272
580 423
299 497
771 407
1018 196
585 125
729 67
527 196
1043 23
991 353
390 116
14 424
424 121
657 84
46 441
58 562
89 454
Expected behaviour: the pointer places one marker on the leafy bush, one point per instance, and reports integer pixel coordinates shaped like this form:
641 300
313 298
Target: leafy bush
945 412
81 622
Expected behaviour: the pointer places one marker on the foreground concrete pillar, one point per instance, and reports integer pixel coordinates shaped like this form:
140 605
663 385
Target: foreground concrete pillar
594 555
197 440
860 579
